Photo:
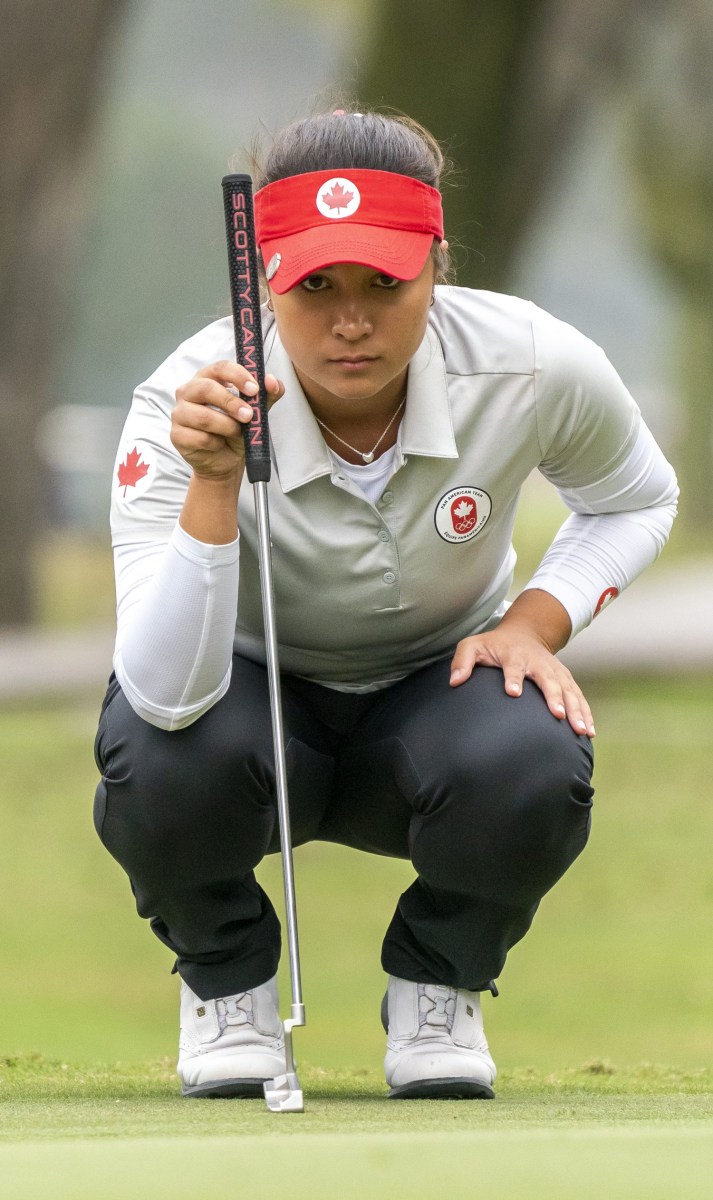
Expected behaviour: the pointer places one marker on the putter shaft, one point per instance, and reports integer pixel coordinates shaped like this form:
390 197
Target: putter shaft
284 1093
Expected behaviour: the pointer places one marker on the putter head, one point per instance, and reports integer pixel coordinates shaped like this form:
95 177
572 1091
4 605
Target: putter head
284 1094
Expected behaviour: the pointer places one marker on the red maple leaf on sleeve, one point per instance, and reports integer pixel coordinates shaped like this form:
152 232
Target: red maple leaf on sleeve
338 198
132 469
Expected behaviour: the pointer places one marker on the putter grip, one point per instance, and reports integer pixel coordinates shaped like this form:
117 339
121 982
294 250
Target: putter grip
245 301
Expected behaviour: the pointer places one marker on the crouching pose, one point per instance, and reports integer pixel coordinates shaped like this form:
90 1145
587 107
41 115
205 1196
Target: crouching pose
425 717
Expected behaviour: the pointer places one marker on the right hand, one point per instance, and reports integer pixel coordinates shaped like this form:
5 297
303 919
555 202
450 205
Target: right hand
208 419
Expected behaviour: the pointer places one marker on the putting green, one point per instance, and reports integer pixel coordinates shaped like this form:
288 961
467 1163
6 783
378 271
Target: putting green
647 1162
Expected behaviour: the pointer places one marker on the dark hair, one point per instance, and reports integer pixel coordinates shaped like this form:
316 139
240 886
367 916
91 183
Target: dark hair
369 140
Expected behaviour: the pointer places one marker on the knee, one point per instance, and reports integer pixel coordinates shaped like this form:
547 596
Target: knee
175 802
204 756
552 767
524 752
537 790
508 819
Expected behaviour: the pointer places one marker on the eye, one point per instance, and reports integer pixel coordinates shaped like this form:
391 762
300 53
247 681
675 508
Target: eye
387 281
315 283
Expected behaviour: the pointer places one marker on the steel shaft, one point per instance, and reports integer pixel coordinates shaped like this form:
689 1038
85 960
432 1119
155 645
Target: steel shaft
280 1094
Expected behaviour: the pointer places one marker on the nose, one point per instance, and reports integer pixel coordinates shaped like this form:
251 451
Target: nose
352 322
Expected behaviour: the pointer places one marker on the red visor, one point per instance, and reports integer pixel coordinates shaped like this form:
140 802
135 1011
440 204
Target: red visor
375 218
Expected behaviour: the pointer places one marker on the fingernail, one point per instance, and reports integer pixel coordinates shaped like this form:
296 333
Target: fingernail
560 708
515 689
246 412
457 674
250 388
581 725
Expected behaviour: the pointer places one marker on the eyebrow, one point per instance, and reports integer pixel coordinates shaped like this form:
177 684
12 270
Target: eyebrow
361 266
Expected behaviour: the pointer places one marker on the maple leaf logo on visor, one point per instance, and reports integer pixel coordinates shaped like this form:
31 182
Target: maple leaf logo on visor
132 469
338 198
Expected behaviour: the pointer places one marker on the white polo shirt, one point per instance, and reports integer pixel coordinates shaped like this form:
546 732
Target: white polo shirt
367 592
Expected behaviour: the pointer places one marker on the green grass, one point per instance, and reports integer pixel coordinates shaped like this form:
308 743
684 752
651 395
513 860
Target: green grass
42 1097
73 580
122 1130
643 1163
614 977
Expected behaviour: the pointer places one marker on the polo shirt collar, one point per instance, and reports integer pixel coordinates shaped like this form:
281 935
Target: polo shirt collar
299 450
427 427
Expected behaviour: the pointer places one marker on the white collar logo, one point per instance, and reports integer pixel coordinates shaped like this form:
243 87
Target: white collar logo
338 198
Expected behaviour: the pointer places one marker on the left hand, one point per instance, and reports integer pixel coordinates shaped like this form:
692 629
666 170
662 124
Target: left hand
522 655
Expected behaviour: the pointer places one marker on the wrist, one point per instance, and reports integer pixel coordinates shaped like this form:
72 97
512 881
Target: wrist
230 478
210 510
541 616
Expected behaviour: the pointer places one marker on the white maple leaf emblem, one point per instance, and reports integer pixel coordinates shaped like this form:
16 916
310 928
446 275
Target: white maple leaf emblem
464 509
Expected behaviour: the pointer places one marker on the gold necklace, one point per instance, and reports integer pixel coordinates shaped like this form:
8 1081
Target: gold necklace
369 456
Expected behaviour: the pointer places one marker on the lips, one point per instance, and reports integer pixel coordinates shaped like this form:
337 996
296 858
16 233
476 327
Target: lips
362 358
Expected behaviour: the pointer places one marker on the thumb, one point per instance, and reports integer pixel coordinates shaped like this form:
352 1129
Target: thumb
463 662
275 389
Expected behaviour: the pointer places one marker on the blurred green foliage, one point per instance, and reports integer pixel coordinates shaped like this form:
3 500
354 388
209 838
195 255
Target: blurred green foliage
159 189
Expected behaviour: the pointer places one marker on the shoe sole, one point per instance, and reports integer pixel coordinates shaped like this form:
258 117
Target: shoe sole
442 1089
227 1089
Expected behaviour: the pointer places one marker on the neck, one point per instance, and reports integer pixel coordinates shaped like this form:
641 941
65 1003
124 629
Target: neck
363 452
360 430
349 415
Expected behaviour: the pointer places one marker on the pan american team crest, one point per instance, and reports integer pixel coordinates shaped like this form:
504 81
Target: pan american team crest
462 513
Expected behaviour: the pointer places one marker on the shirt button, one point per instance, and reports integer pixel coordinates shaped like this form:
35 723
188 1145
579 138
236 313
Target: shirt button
384 536
389 577
387 498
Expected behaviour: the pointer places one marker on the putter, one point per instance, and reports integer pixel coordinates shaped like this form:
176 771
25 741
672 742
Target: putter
282 1094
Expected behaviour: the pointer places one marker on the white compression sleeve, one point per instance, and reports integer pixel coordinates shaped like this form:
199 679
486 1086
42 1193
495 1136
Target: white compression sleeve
176 606
620 524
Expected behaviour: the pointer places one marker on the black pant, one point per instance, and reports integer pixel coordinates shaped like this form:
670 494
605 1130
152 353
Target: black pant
487 795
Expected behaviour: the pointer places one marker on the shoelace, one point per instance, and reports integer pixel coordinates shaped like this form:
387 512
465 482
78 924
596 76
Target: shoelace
436 1007
236 1010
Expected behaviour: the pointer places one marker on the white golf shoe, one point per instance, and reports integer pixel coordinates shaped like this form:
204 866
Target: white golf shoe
230 1046
435 1046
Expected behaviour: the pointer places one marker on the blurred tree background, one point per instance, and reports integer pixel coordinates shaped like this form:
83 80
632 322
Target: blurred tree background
51 58
582 134
513 82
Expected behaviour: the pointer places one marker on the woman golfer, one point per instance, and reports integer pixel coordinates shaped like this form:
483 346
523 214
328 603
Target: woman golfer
425 718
